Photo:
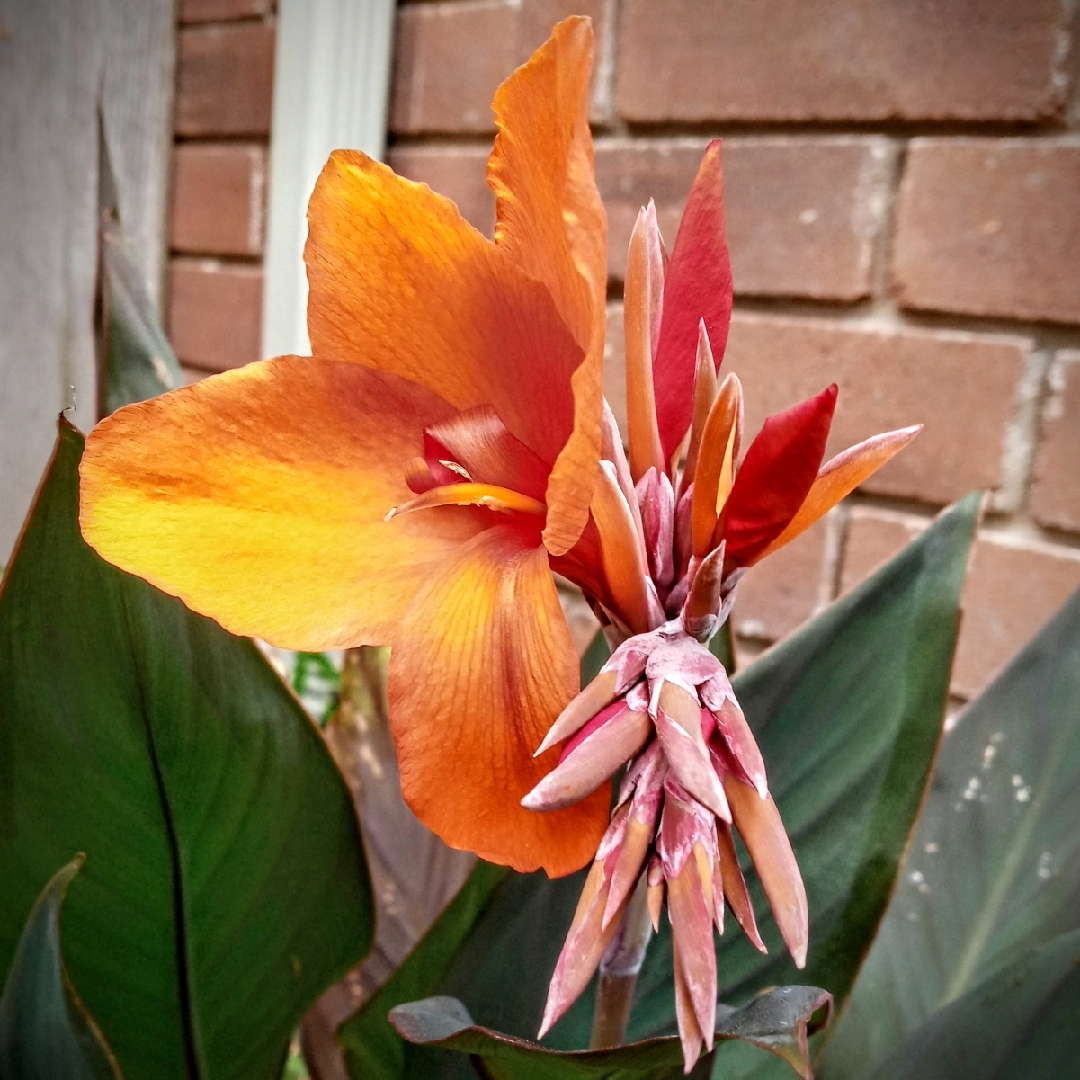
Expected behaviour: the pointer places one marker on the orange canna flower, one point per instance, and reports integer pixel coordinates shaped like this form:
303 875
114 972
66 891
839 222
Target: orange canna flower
418 479
455 381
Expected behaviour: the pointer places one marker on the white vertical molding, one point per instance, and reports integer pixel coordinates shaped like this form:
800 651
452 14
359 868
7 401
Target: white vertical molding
331 85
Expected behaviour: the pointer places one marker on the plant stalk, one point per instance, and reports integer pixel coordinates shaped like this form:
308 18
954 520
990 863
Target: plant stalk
619 971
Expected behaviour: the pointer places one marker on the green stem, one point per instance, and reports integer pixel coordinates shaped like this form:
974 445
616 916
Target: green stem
619 971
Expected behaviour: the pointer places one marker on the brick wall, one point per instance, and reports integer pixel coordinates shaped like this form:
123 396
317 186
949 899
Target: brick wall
224 90
903 198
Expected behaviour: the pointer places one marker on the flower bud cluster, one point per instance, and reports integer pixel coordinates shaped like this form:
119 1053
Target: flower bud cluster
663 706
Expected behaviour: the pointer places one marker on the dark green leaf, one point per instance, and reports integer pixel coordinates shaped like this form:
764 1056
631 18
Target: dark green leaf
225 883
722 646
136 360
848 713
372 1048
45 1032
994 866
1020 1024
594 657
777 1021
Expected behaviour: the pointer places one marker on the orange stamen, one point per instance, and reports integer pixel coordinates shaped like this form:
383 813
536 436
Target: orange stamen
489 496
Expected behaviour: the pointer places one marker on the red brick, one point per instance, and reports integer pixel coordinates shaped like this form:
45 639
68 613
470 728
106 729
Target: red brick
442 80
873 538
1010 592
215 313
783 592
449 58
615 365
960 386
1013 587
197 11
454 171
991 227
790 60
218 199
1055 493
802 213
224 80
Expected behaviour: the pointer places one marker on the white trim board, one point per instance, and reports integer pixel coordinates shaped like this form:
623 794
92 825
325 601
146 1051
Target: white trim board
331 85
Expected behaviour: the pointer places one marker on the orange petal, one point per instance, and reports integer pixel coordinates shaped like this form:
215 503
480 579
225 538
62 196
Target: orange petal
550 220
638 307
401 283
839 477
482 665
258 498
717 450
621 552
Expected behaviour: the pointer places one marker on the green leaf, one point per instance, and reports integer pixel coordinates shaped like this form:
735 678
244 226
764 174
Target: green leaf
594 657
777 1021
372 1048
1022 1023
225 884
45 1031
136 359
994 867
722 646
848 713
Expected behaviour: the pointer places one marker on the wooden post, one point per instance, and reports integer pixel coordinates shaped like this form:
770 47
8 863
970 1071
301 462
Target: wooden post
62 64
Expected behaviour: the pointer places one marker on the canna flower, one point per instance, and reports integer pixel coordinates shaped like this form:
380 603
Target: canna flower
411 483
446 449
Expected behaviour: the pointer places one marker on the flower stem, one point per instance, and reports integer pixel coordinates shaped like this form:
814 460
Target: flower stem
619 971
